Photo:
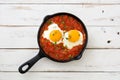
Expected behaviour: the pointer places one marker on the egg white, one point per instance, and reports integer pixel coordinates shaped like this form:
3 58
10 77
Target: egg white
52 27
70 45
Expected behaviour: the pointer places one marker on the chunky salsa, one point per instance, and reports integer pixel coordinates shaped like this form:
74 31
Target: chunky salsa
58 51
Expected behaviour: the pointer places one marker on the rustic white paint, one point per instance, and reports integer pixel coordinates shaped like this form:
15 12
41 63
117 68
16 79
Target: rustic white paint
19 23
60 1
49 1
34 14
26 37
110 1
92 60
59 76
11 37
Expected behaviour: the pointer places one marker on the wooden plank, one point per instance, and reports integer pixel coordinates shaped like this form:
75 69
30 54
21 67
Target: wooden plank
60 76
110 1
18 37
47 1
26 37
34 14
92 60
60 1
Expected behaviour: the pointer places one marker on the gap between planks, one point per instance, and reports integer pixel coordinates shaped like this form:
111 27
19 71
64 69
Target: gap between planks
60 3
40 24
25 14
63 72
92 60
39 48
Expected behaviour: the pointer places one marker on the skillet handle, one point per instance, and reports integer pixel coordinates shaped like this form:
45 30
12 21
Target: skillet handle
29 63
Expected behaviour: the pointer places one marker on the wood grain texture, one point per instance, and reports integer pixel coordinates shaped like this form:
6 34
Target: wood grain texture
19 24
34 14
60 76
92 60
26 37
60 1
47 1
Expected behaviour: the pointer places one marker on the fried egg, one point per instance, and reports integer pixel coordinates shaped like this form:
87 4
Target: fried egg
54 34
72 38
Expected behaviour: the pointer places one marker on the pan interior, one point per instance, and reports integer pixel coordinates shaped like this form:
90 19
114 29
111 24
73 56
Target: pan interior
41 30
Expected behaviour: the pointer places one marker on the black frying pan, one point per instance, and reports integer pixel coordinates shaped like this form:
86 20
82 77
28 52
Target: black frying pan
42 54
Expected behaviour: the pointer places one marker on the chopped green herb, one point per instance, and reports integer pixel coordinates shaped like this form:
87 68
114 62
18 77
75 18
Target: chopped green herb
61 16
69 36
62 47
49 22
66 38
55 42
66 46
64 27
64 32
70 56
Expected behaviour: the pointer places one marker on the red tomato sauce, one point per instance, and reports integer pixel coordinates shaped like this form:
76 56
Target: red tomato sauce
58 51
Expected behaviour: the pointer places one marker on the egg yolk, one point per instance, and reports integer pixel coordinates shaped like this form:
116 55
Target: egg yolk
55 35
73 35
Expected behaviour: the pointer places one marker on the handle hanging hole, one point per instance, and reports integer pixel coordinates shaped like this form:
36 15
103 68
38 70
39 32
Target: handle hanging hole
25 67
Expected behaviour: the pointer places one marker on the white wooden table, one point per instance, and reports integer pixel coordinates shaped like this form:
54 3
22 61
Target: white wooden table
19 23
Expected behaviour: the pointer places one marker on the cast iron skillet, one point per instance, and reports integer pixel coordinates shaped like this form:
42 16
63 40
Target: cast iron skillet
42 54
